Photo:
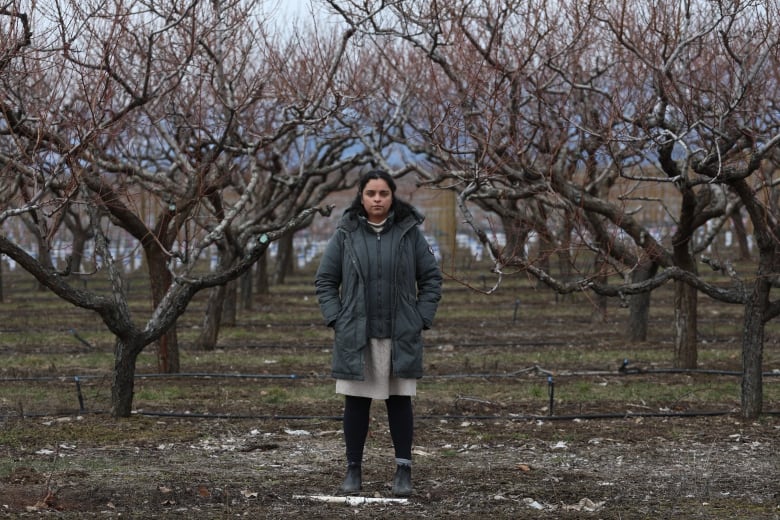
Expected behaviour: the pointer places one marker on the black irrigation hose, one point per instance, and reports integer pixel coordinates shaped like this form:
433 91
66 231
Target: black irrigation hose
506 344
263 417
510 417
550 382
209 375
623 371
198 375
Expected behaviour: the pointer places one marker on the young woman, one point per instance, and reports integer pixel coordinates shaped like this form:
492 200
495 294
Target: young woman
378 286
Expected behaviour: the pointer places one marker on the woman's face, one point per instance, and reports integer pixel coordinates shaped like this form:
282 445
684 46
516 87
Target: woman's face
377 199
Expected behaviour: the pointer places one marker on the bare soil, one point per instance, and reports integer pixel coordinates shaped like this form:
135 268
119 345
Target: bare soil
712 467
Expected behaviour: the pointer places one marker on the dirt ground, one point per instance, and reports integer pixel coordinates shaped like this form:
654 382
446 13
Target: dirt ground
476 459
713 467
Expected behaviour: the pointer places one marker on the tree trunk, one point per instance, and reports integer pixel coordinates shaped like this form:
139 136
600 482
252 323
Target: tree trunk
516 237
740 234
565 263
639 304
2 297
229 305
600 303
212 319
168 352
123 380
758 303
285 259
245 283
753 346
685 296
44 257
685 323
80 238
262 275
160 279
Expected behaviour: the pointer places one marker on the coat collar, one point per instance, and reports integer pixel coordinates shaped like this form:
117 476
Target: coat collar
351 219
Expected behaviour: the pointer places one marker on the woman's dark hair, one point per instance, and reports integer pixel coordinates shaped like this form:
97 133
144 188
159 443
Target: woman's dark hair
400 207
373 175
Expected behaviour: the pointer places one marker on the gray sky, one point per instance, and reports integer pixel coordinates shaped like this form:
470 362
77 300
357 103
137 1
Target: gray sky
292 7
285 11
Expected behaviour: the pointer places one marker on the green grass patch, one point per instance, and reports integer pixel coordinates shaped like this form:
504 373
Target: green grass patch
474 336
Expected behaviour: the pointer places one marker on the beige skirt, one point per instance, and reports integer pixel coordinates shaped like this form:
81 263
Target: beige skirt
378 382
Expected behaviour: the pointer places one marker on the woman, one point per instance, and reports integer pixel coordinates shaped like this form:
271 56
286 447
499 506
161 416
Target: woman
378 286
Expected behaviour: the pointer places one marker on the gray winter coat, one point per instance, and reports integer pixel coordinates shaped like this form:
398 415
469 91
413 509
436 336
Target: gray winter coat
342 293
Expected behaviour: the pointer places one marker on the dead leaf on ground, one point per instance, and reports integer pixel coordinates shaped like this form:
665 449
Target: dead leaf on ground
48 502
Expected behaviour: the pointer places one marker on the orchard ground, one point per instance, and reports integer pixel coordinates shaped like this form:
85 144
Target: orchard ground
524 413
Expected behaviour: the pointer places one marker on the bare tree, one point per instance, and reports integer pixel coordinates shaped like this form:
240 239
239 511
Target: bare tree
162 122
628 132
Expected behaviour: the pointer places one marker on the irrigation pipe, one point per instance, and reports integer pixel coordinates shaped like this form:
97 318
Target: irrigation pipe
200 375
624 370
464 417
439 417
476 375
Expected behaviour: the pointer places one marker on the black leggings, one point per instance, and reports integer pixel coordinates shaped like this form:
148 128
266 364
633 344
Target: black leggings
356 418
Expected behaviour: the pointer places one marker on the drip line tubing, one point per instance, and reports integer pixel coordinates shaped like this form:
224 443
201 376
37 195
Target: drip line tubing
439 417
483 375
209 375
459 417
181 375
519 343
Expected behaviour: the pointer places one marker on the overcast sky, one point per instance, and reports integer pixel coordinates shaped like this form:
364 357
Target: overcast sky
292 8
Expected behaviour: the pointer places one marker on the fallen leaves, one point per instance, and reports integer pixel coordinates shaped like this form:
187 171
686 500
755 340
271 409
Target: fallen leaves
48 502
202 491
587 505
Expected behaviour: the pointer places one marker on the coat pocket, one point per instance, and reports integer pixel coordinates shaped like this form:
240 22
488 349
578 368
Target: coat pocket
409 322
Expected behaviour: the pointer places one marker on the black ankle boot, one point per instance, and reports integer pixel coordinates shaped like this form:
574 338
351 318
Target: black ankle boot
402 481
353 482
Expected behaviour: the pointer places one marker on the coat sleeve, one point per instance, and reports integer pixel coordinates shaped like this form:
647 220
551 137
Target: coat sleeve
428 280
327 281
